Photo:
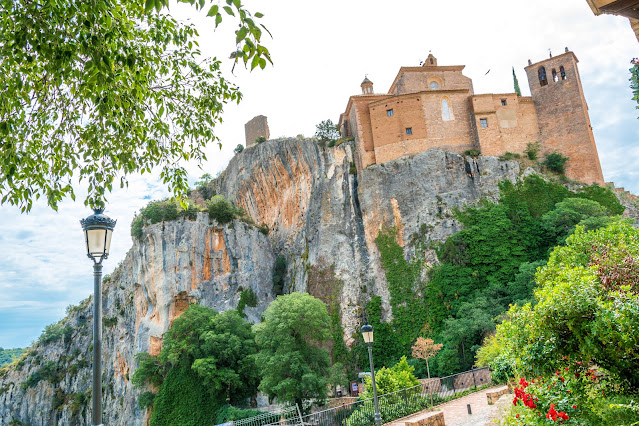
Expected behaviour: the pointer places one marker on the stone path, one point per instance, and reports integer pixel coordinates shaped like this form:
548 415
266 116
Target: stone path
456 411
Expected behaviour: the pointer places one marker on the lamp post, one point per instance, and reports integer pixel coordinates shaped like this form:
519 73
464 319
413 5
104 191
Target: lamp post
367 333
98 229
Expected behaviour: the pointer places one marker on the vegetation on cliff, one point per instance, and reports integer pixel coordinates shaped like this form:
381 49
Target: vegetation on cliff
484 268
7 356
573 348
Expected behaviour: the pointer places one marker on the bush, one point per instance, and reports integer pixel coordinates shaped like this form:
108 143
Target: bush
247 298
555 162
228 413
158 211
509 156
472 153
352 169
532 150
260 139
264 229
145 400
327 131
239 148
54 332
221 210
331 143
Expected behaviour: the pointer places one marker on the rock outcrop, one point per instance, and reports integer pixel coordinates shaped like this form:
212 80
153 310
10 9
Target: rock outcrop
322 214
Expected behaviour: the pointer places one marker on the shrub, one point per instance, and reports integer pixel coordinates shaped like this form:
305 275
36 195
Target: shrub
155 212
221 210
239 148
472 153
264 229
327 131
54 332
228 413
555 162
532 150
352 169
331 143
260 139
247 298
145 400
509 156
109 321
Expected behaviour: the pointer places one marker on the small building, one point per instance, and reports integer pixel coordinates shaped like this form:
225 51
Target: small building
432 106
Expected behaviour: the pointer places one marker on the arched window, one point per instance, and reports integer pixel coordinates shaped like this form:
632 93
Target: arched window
555 77
562 71
445 110
542 76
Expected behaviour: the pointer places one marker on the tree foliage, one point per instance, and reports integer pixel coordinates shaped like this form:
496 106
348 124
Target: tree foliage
555 162
293 362
398 377
634 80
327 131
587 308
213 355
98 90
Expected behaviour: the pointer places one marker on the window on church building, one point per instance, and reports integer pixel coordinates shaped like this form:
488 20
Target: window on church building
504 102
555 77
409 130
543 80
562 71
483 122
445 110
389 112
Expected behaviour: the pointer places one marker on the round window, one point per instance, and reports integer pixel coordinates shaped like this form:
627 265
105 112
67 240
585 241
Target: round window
434 85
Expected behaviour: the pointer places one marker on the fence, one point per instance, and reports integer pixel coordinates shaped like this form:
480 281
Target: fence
391 406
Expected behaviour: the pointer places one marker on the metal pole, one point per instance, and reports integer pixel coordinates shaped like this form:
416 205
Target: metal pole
378 416
97 344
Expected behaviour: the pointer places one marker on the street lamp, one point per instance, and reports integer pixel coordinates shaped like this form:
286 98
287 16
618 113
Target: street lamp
367 333
98 229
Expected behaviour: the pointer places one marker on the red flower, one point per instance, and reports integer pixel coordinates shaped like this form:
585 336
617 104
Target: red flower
566 369
577 375
515 401
557 372
578 362
563 415
562 379
517 416
574 407
552 413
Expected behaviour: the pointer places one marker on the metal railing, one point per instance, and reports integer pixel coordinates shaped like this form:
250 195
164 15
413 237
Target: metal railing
286 414
401 403
392 406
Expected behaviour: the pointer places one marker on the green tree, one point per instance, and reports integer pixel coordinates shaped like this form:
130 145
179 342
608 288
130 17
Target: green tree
327 131
239 148
516 83
587 309
398 377
293 361
561 221
99 90
206 359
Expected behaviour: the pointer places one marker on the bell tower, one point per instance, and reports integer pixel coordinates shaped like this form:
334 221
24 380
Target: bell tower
562 115
367 86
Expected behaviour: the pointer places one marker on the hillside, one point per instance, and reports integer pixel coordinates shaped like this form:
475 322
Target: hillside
328 224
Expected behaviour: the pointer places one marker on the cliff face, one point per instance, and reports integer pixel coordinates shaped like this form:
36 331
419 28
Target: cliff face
322 216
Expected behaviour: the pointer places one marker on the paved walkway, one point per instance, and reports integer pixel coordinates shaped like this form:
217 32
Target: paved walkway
456 411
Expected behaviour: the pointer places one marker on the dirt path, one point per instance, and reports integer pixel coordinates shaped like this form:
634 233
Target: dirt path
456 411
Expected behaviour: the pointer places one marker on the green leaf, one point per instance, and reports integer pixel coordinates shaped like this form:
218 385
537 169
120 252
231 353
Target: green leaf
258 15
228 10
255 62
213 10
149 5
237 4
241 33
218 19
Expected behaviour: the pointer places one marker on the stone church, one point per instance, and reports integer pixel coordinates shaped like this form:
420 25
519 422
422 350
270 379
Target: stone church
432 106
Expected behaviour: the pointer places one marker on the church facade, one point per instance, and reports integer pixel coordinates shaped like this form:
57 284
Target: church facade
433 106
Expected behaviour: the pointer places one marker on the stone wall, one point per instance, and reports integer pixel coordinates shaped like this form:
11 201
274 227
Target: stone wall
258 126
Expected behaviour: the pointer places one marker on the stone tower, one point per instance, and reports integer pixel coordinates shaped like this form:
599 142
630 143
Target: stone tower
258 126
562 114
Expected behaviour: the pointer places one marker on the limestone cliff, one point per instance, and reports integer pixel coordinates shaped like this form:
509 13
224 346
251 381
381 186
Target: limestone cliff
321 213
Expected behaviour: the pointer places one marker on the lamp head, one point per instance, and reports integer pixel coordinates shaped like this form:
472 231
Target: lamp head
98 229
367 333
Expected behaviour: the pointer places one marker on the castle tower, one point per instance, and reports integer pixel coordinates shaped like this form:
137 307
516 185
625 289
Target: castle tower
562 115
367 86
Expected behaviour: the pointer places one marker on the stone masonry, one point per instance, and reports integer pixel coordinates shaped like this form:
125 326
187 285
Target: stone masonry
258 126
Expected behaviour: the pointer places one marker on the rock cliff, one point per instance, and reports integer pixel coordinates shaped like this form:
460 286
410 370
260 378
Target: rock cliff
322 215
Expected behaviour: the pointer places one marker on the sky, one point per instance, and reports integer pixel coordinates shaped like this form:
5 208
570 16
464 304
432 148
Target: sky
321 53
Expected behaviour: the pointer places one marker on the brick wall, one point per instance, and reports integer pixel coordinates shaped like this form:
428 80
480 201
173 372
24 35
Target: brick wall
562 114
